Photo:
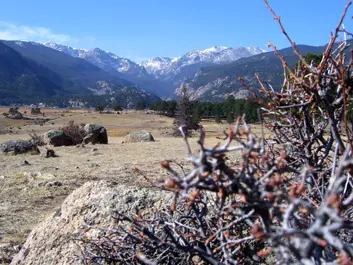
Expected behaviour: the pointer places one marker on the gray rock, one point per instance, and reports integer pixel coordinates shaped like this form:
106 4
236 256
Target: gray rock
143 136
54 183
15 147
25 163
53 240
96 134
14 114
57 138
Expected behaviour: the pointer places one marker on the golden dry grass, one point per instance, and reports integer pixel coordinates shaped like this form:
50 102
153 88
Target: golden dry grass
26 200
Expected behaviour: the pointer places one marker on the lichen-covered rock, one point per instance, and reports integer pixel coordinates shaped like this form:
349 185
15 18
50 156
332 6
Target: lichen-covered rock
53 241
57 138
143 136
96 134
15 147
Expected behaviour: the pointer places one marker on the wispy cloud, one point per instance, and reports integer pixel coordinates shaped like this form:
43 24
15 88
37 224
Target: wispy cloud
9 31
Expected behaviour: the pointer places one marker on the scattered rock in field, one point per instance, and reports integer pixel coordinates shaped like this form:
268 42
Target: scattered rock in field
25 163
94 149
57 138
94 165
50 153
143 136
2 177
15 147
96 134
52 241
31 176
14 114
54 183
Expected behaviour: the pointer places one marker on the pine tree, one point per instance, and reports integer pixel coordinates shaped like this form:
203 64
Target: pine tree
218 113
230 117
218 117
183 114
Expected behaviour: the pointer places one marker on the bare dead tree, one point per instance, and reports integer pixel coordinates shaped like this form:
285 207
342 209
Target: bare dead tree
289 201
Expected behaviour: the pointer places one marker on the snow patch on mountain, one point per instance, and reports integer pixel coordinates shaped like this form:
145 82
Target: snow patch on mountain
105 60
162 67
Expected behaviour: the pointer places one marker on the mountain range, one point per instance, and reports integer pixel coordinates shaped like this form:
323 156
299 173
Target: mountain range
160 76
31 71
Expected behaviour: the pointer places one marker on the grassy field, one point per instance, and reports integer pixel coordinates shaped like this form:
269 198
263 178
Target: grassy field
30 192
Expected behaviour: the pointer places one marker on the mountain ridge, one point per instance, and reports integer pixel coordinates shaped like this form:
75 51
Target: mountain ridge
159 75
216 83
31 72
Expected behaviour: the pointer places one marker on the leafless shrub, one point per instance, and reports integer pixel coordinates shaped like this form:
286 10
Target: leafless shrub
290 199
37 139
75 131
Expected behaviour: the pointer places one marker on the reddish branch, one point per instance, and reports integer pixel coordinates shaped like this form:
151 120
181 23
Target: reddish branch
287 201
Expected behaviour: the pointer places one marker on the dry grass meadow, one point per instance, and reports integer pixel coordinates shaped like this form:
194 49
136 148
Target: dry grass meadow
30 192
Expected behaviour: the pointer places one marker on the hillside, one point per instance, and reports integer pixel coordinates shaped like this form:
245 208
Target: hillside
32 73
158 75
23 80
79 71
215 83
116 66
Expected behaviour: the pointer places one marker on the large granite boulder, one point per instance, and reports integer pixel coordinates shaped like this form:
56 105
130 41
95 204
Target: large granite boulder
94 203
15 147
57 138
143 136
96 134
14 114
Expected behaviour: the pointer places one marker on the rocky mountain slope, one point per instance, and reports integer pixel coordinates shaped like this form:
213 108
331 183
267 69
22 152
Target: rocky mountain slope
163 66
215 83
211 74
175 71
115 65
160 75
22 79
32 72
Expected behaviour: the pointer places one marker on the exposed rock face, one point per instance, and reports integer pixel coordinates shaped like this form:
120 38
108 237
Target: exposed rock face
143 136
57 138
15 147
93 203
96 134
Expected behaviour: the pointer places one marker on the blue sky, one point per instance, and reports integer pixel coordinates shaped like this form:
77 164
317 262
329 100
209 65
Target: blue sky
141 29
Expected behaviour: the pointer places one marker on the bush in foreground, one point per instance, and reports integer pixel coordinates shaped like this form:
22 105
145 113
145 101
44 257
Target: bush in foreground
289 201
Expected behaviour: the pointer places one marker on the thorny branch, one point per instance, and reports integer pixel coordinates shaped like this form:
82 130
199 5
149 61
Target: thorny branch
289 201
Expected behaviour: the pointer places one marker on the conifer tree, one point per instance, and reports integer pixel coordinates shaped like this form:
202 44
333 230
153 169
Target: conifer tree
183 114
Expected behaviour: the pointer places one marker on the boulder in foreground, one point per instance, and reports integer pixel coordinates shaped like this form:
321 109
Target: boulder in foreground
52 241
15 147
143 136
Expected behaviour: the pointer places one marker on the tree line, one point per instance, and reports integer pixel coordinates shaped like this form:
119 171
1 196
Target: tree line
227 110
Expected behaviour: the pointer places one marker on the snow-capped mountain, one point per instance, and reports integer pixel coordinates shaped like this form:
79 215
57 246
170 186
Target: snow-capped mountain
160 75
164 66
158 66
107 61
